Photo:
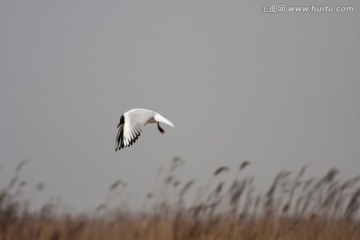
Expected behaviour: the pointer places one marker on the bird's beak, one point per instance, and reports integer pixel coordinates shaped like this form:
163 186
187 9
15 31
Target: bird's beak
118 125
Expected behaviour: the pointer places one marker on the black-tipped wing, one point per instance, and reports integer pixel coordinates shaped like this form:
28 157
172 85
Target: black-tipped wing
126 137
119 144
130 130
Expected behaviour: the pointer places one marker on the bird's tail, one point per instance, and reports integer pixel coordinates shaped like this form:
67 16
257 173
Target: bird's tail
161 119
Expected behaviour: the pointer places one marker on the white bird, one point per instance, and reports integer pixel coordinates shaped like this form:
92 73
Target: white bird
131 124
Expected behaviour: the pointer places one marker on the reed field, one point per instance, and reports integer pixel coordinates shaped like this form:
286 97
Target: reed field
225 207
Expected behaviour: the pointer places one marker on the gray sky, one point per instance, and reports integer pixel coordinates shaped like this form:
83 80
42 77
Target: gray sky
281 90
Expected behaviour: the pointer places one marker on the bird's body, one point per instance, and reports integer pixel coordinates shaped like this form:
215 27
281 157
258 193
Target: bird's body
131 124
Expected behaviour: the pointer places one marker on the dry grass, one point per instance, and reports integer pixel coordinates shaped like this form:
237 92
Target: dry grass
292 208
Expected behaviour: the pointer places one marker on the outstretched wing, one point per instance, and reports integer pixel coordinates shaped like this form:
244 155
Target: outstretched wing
130 131
119 144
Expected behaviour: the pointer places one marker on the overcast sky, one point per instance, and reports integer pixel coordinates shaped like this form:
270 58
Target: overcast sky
281 90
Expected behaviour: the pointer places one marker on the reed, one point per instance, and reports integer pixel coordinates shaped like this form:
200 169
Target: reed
294 207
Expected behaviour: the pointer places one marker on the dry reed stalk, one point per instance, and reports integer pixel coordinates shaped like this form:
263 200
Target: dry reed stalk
220 170
243 165
331 212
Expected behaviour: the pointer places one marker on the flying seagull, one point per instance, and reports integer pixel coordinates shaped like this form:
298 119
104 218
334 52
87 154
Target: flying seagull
131 124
